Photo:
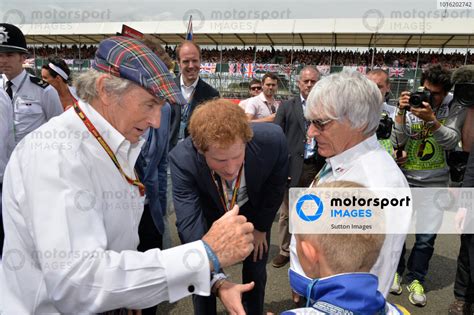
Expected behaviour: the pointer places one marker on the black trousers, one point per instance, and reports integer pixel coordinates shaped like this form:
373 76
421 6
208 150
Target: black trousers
149 238
253 300
463 285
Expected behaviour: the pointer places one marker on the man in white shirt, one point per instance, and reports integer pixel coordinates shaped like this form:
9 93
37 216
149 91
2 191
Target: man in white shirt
34 101
263 107
381 78
7 143
72 202
194 89
344 110
255 87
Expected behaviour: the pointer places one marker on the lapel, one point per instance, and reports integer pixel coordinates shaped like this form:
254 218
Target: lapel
298 111
251 167
197 95
208 181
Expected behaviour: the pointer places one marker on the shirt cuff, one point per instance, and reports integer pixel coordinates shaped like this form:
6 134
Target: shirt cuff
187 271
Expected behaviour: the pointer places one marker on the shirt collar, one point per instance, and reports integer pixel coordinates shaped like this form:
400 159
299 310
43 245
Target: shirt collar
187 87
115 140
16 80
303 101
262 97
342 162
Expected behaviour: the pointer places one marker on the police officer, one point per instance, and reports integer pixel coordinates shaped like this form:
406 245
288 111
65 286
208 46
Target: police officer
34 101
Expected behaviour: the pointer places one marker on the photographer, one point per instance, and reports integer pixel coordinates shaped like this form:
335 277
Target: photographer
426 126
381 78
463 79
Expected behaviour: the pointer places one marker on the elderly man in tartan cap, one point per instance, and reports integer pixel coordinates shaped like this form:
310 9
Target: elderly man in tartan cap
72 201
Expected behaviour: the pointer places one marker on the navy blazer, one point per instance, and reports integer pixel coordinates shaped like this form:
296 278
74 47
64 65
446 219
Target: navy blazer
195 195
151 167
290 117
203 93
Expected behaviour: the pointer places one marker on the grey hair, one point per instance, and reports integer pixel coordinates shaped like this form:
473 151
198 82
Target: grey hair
86 85
347 95
309 68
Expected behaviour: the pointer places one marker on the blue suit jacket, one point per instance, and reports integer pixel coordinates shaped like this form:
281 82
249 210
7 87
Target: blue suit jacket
195 195
203 93
152 166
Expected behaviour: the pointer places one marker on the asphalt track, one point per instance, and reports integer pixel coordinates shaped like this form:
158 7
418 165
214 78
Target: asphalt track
439 282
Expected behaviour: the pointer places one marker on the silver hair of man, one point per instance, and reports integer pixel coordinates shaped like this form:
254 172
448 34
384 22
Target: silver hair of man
347 95
86 85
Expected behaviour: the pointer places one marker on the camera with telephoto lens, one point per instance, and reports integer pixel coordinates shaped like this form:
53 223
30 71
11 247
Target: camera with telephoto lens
417 98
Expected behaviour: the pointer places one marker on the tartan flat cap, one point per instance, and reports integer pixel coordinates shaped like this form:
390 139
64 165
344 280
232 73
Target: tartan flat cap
130 59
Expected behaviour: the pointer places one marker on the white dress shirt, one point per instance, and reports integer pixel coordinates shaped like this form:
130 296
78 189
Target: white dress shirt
71 227
33 104
7 141
187 91
370 165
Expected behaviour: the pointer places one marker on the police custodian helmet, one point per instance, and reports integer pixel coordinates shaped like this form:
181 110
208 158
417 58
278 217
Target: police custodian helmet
12 39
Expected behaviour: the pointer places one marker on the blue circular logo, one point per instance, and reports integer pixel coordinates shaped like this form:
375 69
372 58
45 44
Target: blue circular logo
313 210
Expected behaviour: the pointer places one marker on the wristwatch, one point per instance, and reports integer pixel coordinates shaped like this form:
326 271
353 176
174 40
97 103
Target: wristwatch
217 280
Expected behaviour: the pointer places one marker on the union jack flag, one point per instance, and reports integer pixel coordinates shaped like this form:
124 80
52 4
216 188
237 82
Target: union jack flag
261 67
189 31
235 69
396 72
238 68
249 71
231 68
272 67
208 68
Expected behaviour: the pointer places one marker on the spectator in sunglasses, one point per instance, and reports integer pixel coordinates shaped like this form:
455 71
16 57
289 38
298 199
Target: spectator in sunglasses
263 107
255 87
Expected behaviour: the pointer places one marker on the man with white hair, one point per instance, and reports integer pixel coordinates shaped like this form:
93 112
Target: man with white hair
344 111
72 201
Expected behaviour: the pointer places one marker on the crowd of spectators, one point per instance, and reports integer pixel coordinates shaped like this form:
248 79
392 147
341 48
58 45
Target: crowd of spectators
387 58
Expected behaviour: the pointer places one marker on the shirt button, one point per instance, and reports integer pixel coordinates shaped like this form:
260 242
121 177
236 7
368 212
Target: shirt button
191 288
302 155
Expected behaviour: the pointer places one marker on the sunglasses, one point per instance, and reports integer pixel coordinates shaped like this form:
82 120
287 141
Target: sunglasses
255 88
319 123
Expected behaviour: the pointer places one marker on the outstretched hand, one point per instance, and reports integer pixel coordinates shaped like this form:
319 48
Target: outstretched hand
230 295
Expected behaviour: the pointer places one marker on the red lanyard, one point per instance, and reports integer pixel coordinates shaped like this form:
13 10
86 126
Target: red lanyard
223 192
93 130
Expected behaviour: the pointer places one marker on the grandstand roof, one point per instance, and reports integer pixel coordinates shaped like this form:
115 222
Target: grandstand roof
362 32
